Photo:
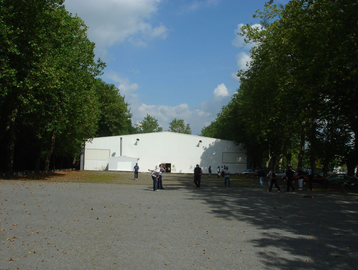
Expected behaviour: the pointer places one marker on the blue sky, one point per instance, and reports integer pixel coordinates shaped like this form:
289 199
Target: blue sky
171 58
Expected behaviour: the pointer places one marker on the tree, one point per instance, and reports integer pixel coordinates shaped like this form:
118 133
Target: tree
115 117
148 125
300 89
47 75
178 125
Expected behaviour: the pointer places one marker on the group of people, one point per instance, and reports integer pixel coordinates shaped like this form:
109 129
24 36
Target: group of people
158 182
157 177
289 179
198 172
225 172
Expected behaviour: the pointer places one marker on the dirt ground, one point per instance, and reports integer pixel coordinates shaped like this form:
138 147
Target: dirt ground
107 220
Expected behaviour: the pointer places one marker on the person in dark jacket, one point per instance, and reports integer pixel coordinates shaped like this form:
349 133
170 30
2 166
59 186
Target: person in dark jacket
197 176
289 175
273 181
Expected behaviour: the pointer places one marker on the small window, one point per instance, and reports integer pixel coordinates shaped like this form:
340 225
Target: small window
234 158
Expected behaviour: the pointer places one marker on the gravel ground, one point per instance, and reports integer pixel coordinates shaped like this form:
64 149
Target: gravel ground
54 225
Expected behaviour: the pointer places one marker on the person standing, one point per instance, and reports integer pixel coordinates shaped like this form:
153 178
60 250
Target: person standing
218 171
197 176
289 175
136 170
209 171
222 171
160 180
155 175
261 175
227 175
310 177
273 181
269 178
300 179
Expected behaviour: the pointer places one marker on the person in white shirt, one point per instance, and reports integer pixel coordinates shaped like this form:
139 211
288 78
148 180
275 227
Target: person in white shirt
155 176
160 181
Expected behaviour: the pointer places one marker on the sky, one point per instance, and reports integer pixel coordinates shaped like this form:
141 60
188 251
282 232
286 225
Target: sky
171 58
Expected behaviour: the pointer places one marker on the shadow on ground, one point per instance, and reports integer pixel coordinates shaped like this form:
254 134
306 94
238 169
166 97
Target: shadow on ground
319 230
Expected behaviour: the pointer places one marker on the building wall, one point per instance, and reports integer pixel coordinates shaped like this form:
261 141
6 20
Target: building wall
183 151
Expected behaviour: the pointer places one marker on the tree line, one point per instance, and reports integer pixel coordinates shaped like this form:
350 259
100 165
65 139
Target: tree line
297 100
51 96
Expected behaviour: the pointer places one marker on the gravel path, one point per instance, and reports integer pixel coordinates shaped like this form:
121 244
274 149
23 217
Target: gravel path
111 226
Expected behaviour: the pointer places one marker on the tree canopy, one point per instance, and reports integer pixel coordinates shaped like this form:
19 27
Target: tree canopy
147 125
297 99
115 116
50 99
179 126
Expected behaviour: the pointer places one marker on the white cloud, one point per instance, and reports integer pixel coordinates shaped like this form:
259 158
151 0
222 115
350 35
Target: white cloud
197 4
243 59
195 117
165 114
239 40
235 77
160 32
112 22
221 91
125 86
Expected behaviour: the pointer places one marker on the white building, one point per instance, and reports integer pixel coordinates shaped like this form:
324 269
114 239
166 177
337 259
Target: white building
180 152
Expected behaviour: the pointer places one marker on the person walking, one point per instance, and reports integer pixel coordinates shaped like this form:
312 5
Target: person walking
155 175
136 170
197 176
261 175
209 171
227 175
289 175
273 181
218 171
160 179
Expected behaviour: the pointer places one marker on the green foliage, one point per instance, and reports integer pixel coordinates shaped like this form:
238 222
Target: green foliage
115 117
148 125
47 77
178 125
299 94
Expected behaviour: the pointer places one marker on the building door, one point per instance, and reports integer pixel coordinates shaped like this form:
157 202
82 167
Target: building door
168 167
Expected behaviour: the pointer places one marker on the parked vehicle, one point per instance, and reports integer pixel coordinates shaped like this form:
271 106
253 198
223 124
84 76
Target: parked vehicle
249 172
316 178
344 180
280 173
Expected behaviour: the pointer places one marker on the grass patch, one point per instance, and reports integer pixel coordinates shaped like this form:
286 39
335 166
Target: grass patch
184 180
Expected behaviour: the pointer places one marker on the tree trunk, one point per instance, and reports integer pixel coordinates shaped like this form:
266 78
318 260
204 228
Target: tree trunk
268 162
302 147
313 144
38 157
351 165
11 142
288 151
352 159
49 154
